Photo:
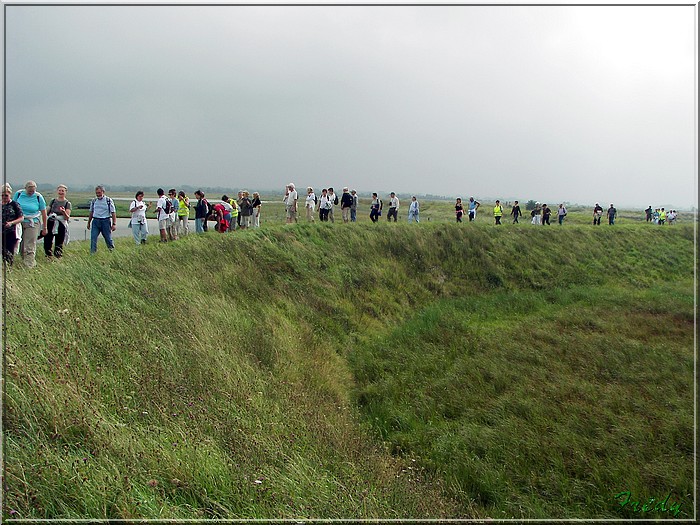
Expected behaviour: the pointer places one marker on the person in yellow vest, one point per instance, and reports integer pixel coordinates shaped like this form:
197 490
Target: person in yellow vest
498 212
662 217
183 213
234 214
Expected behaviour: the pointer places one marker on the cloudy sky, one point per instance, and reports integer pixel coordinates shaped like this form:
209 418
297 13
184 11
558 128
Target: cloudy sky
559 103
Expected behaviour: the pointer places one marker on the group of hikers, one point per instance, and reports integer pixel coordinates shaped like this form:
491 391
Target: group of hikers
27 218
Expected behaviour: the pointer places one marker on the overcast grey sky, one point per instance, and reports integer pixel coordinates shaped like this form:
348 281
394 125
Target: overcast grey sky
556 103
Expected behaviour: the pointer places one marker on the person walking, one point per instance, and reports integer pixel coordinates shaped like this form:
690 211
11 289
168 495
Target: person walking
310 204
515 212
662 216
139 225
333 199
536 214
612 214
375 207
413 210
33 208
172 216
393 207
163 214
648 212
290 201
103 214
245 209
353 208
324 206
345 204
561 213
498 212
12 218
59 210
546 214
597 214
183 213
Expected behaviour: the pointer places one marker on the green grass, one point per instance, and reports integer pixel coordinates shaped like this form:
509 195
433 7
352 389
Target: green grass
354 371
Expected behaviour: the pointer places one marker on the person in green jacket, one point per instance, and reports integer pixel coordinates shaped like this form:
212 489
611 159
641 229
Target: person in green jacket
498 212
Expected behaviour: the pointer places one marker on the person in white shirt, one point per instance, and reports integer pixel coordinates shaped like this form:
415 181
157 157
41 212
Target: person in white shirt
162 215
413 210
139 225
310 204
290 200
324 206
333 200
393 207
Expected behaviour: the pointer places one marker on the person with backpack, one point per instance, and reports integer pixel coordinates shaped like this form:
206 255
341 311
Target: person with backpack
375 207
290 203
12 218
163 208
324 206
546 214
561 214
310 204
414 210
245 209
172 215
345 204
183 213
536 214
612 213
201 212
597 214
333 199
393 207
102 213
33 208
59 210
138 223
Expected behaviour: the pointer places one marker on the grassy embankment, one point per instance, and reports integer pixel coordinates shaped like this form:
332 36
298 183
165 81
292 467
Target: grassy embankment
354 371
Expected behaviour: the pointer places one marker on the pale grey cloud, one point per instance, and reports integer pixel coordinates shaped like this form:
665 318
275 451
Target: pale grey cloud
556 103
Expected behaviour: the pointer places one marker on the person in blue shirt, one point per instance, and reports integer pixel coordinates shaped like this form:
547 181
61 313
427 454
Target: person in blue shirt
34 210
104 216
473 206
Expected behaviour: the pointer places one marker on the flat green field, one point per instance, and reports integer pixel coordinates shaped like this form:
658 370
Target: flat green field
360 371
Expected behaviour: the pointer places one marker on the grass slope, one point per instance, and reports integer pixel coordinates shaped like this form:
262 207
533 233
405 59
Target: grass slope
359 371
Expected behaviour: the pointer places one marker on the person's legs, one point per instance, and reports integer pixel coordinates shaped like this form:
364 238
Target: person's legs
106 226
49 237
30 232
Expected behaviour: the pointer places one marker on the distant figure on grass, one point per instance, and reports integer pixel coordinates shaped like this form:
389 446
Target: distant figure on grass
163 207
12 218
324 206
648 212
59 210
183 213
345 204
459 209
353 208
597 214
672 215
546 214
245 208
240 215
220 214
414 210
138 224
33 208
561 213
235 215
612 214
655 216
228 210
375 208
172 216
393 207
310 204
536 214
473 206
333 199
498 212
201 211
102 213
515 212
662 217
290 202
257 205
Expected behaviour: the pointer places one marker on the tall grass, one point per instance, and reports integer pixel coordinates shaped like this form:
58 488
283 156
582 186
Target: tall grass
352 371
